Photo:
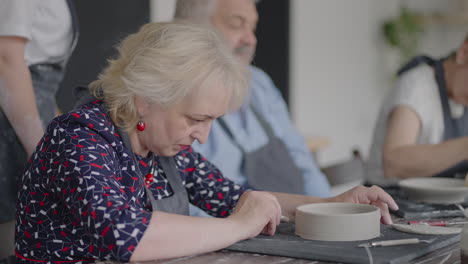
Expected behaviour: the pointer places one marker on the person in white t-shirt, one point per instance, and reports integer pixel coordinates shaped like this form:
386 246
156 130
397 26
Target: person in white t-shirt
422 130
36 39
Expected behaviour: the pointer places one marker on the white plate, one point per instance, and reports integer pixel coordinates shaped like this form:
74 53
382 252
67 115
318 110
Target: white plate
337 221
435 190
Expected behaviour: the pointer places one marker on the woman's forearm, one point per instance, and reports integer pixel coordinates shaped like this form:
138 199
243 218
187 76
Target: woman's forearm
171 235
412 160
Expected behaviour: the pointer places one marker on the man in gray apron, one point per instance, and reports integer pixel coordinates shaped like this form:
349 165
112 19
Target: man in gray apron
39 37
257 146
423 126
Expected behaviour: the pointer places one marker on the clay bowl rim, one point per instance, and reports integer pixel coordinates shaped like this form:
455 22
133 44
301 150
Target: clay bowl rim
371 209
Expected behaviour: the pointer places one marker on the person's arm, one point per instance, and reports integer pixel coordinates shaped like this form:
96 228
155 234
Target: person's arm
175 235
122 228
17 99
256 211
403 157
366 195
171 235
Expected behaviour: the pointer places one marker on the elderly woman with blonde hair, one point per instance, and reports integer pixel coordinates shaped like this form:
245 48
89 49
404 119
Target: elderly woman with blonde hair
112 179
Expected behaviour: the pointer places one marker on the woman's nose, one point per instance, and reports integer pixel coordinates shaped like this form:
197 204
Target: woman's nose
202 133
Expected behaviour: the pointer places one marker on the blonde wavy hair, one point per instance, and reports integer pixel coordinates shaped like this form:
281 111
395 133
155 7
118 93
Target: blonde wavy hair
164 63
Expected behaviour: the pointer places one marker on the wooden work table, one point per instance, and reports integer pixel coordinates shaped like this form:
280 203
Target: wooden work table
443 255
449 254
446 255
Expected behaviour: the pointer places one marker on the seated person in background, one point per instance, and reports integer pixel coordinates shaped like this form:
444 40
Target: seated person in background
112 179
257 146
423 125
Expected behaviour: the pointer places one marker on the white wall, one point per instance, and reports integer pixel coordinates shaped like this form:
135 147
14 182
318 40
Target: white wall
341 69
337 75
162 10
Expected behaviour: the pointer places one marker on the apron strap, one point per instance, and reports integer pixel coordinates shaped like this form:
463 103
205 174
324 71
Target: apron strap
415 62
452 128
228 131
449 126
172 173
270 167
178 202
266 127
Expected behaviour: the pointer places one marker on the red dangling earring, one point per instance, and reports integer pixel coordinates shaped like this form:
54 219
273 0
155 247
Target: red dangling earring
141 125
149 178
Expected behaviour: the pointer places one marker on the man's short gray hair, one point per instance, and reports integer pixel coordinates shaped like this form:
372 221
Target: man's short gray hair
194 9
198 10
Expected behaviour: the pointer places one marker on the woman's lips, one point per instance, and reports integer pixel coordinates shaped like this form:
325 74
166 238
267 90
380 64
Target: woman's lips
184 147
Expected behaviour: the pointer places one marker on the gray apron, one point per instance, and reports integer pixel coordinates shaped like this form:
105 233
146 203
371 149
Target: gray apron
178 202
453 128
270 168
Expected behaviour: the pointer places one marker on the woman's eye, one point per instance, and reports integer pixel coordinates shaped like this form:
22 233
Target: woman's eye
196 120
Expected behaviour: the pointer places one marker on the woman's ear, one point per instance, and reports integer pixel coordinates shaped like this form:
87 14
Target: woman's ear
142 106
461 57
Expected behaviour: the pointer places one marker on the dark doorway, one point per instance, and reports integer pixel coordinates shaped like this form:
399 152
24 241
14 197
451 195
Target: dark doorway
273 42
102 24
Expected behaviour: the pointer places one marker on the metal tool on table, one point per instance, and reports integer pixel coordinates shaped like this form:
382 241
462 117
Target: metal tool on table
465 212
436 223
396 242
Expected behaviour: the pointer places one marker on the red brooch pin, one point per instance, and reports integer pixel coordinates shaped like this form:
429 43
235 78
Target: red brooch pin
149 178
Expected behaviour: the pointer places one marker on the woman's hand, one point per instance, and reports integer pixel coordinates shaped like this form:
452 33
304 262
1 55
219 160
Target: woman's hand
369 195
257 212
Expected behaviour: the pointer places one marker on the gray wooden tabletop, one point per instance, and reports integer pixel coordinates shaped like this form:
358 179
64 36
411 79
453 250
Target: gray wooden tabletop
450 254
446 255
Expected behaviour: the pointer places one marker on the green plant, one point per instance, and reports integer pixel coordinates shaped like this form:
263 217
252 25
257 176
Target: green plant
403 33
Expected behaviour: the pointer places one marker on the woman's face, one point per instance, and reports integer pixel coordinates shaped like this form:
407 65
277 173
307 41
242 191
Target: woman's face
170 130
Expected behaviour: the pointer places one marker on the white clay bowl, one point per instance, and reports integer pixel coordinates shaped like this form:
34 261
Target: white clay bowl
435 190
337 221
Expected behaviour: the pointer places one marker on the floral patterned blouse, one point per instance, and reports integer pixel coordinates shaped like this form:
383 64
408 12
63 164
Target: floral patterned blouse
81 198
